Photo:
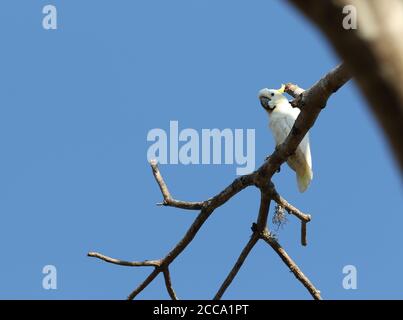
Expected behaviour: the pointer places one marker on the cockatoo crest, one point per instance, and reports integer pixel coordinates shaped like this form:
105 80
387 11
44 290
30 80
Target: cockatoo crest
282 89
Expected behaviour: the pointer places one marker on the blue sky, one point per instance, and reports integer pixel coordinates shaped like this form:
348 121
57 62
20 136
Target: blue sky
76 105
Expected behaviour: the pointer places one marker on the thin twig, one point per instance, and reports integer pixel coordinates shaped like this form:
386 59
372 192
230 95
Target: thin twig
146 263
168 200
257 227
289 207
304 241
305 218
144 284
291 264
238 264
168 284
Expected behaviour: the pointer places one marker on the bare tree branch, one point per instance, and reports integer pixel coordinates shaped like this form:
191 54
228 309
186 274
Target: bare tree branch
168 284
311 102
290 208
144 284
260 225
373 52
305 218
238 264
168 200
266 236
304 242
208 207
147 263
263 208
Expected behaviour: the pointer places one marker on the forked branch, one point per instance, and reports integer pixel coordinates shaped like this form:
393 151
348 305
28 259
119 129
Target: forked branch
311 102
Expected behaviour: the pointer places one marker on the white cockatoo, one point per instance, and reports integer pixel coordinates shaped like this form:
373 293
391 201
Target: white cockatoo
281 119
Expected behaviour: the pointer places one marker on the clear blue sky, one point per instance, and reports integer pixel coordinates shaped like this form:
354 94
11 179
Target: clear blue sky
76 105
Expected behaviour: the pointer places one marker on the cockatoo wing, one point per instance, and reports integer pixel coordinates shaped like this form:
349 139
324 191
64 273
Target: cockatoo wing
301 162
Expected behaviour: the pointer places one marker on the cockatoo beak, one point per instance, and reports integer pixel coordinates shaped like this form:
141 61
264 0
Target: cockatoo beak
264 101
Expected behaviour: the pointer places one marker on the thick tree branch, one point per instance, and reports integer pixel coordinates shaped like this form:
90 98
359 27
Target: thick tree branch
263 208
373 52
311 103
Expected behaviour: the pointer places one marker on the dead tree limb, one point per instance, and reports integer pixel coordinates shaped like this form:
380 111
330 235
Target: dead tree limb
272 242
147 263
311 102
168 284
238 264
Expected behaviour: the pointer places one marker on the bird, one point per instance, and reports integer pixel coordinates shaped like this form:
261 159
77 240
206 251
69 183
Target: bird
281 120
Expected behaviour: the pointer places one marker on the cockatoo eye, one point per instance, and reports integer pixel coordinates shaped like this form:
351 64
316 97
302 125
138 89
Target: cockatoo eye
272 94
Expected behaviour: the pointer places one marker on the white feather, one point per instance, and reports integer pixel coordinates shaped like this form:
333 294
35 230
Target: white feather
282 119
